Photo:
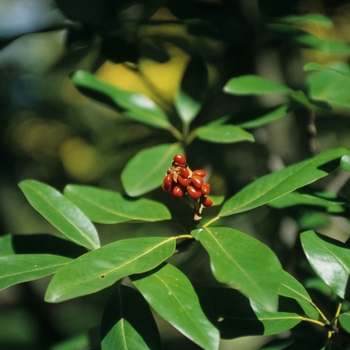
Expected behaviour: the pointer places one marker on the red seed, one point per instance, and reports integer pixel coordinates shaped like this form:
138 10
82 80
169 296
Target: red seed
207 202
168 180
184 173
178 191
197 181
182 181
205 188
180 159
166 188
194 192
199 172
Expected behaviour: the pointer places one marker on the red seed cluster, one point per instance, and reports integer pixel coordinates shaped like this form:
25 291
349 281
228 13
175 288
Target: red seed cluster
181 181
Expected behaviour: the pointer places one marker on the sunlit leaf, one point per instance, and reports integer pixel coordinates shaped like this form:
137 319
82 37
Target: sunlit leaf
191 94
275 185
329 258
128 323
20 268
145 171
243 263
135 105
254 118
223 134
61 213
254 85
171 295
291 288
108 207
102 267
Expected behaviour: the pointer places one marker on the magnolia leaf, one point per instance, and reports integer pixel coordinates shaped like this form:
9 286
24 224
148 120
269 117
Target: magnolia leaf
110 207
61 213
171 295
145 171
102 267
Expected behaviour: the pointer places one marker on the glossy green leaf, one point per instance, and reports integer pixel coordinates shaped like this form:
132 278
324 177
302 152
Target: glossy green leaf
20 268
128 323
344 320
292 288
223 134
137 106
192 92
275 185
258 117
146 170
309 18
330 86
329 258
345 162
6 247
171 295
296 198
61 213
254 85
336 66
109 207
243 263
102 267
234 316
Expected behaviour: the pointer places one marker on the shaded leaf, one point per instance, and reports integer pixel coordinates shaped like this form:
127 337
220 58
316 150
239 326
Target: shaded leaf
309 18
291 288
243 263
223 133
128 323
102 267
109 207
20 268
330 259
275 185
192 92
6 245
146 170
171 295
254 85
80 341
61 213
234 316
344 320
278 344
255 118
345 162
136 106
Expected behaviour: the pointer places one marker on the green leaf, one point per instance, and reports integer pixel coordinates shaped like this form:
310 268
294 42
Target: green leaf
345 162
330 86
128 323
61 213
254 85
80 341
109 207
330 259
146 170
192 92
344 320
234 316
102 267
171 295
296 198
6 247
223 134
291 288
28 267
243 263
137 106
278 344
275 185
255 118
311 18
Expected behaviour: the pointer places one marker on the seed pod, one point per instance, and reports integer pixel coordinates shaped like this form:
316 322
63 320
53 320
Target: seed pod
184 173
180 159
207 202
178 191
199 172
197 181
183 181
205 188
168 180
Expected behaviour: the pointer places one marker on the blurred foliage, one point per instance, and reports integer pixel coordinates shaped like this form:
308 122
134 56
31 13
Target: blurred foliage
53 133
